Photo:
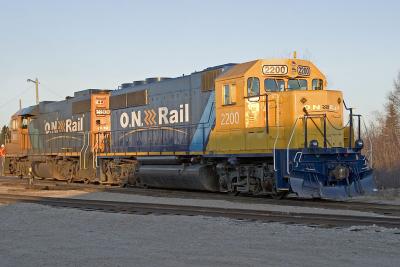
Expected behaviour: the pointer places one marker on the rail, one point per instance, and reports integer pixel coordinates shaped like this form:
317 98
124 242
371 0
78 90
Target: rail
322 132
370 144
84 155
278 129
288 145
326 219
80 152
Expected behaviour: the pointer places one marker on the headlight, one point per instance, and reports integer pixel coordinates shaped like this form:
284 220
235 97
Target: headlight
313 144
359 144
340 172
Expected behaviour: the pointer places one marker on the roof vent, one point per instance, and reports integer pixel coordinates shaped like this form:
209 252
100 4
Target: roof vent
156 79
126 85
135 83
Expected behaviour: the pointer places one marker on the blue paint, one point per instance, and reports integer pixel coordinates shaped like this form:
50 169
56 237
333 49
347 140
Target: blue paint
200 137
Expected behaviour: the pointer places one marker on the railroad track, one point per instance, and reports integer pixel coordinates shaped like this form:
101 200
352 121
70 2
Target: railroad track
381 209
324 220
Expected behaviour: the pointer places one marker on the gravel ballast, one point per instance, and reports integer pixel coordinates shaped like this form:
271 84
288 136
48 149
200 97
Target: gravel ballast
36 235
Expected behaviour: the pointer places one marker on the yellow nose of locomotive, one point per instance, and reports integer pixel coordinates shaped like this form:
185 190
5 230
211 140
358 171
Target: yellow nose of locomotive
316 113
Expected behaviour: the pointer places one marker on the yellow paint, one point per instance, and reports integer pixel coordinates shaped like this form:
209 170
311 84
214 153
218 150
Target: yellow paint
100 120
242 124
241 127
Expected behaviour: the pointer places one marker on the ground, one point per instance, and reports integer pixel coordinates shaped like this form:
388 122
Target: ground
35 235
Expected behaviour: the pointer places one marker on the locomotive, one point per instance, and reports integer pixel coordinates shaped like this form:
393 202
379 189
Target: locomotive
268 126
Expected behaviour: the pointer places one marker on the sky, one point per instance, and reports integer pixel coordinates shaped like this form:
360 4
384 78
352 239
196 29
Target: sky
73 45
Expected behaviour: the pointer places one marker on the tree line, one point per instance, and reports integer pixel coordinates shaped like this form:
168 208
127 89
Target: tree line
4 135
384 134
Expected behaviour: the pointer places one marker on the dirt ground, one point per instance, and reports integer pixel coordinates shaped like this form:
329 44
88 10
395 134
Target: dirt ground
35 235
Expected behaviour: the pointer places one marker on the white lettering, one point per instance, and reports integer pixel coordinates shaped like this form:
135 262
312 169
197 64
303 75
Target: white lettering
74 126
54 128
124 120
136 119
186 112
68 124
162 115
180 113
47 127
173 116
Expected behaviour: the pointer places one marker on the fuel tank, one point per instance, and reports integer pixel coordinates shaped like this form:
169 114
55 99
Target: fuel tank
44 170
190 177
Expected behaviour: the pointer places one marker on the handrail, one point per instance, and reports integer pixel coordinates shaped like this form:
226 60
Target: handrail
87 146
323 133
370 143
290 141
80 153
211 111
278 127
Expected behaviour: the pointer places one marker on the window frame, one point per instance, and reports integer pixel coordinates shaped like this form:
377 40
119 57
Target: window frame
299 89
231 94
321 81
276 83
253 98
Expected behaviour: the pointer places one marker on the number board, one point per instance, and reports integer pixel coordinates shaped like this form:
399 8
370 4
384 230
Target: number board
303 70
102 112
275 69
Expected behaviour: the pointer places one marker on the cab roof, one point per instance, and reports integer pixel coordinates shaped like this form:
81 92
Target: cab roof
243 69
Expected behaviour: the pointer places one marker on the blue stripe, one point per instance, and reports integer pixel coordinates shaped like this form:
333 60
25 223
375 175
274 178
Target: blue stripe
200 137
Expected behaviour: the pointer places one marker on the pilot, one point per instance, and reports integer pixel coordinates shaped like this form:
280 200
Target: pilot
2 159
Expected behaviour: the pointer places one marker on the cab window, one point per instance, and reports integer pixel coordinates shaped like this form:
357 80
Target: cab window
229 94
253 86
317 84
14 124
297 84
24 123
274 85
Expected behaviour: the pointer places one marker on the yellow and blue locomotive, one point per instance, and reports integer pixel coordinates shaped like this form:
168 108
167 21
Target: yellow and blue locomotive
260 127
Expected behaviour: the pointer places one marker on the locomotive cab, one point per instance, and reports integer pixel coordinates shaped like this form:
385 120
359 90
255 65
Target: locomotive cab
280 112
258 103
19 141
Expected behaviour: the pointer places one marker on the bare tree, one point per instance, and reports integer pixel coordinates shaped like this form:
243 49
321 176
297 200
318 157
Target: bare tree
385 136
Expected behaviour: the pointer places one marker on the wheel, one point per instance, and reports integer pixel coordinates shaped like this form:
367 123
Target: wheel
234 192
278 194
70 179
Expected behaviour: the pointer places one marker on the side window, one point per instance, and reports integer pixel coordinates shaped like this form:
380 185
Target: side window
233 93
297 84
274 85
229 94
226 95
14 124
253 86
24 123
317 84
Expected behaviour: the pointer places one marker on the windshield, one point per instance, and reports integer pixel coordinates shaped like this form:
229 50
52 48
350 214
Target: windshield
253 86
274 85
317 84
297 84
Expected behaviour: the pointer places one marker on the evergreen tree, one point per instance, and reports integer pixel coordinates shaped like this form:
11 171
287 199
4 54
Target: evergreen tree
4 134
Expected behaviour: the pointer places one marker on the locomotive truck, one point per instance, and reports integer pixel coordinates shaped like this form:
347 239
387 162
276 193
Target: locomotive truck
268 126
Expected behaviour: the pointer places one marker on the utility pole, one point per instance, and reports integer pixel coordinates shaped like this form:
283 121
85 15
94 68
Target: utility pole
36 82
20 104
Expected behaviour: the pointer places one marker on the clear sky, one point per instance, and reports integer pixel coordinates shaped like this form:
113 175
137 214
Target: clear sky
72 45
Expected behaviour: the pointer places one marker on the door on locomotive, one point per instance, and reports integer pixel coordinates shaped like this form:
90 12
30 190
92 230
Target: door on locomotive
100 124
18 141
